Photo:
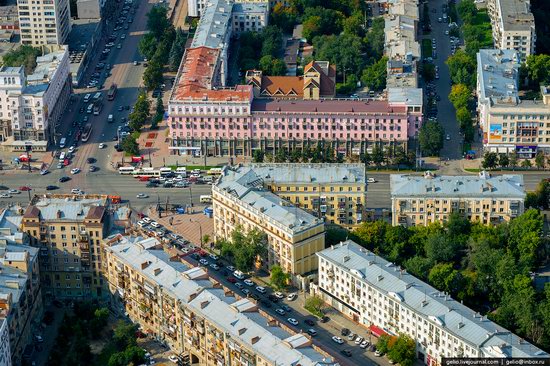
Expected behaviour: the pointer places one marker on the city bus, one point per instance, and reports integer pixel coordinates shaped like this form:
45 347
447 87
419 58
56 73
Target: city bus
112 92
215 171
87 132
165 171
146 172
126 170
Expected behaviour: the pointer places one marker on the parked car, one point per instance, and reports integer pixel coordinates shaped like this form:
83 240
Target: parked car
338 340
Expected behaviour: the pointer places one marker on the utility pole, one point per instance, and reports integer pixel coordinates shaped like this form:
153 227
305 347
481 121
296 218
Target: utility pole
190 195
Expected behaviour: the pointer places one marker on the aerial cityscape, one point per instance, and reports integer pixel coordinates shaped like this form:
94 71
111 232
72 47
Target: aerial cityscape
274 182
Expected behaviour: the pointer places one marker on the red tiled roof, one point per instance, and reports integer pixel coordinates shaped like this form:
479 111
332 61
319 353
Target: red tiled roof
197 75
325 106
31 212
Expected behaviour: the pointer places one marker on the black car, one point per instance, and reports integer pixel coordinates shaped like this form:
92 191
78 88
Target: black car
90 160
265 303
51 188
127 107
151 185
64 179
81 110
346 352
93 168
345 332
273 298
324 319
254 296
286 308
309 322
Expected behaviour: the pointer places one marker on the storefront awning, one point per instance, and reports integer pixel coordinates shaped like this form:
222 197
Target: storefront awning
376 331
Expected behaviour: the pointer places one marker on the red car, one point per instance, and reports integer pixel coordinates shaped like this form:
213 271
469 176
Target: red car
202 253
24 188
231 279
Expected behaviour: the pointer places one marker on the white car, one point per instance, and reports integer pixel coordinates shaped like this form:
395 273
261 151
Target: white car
215 267
71 149
292 321
260 289
291 297
173 358
155 224
279 295
102 146
338 340
371 180
359 340
248 282
75 170
280 311
231 268
448 137
364 344
44 172
141 195
14 191
146 219
141 223
5 195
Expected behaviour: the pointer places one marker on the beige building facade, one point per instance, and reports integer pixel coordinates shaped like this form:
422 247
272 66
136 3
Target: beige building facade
420 201
68 229
196 317
44 24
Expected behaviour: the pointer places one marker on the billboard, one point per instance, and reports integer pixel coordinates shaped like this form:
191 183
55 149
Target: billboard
495 132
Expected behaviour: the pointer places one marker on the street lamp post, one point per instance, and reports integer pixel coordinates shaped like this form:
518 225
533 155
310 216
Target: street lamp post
200 230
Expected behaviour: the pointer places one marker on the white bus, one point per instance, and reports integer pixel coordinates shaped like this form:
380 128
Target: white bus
146 172
165 171
126 170
215 171
181 171
62 142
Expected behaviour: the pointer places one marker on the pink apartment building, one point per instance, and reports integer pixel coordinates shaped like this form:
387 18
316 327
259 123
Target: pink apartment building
205 117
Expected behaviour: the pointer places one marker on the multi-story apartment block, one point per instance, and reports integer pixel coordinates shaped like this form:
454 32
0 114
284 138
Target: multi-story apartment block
423 200
30 105
198 7
44 24
497 78
20 290
68 230
195 316
5 352
513 26
206 118
337 193
387 299
293 235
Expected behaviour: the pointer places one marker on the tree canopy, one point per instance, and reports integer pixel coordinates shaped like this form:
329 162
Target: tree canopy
431 138
247 249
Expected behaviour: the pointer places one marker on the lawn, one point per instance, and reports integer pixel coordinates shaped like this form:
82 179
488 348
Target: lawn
426 48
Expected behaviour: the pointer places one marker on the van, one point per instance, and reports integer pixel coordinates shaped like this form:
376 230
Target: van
87 98
205 198
97 96
90 108
62 155
110 119
239 275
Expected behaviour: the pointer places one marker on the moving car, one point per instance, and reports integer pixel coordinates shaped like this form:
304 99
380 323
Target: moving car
292 321
75 171
279 295
292 297
64 179
248 282
141 195
260 289
51 188
280 311
338 340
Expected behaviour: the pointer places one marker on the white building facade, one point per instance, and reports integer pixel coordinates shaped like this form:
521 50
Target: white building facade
31 105
385 298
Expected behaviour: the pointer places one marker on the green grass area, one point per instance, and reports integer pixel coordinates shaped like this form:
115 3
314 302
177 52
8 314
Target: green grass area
427 48
472 170
313 311
103 358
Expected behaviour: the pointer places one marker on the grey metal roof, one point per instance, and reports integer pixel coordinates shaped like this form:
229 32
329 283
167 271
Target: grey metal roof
246 185
245 326
310 173
406 96
498 73
505 186
70 210
214 24
259 7
457 319
516 15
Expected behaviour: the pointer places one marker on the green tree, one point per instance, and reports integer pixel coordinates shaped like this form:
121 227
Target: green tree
513 160
490 160
272 66
272 41
134 355
460 96
130 146
382 343
258 156
157 21
441 248
445 278
278 278
428 72
538 69
315 305
526 164
377 156
354 24
22 56
124 335
343 50
374 39
464 118
462 68
371 234
403 350
466 10
540 160
374 76
503 160
311 27
152 77
148 45
285 17
431 138
245 248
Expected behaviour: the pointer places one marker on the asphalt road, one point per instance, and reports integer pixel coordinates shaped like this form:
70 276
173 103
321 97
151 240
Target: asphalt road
446 113
325 331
